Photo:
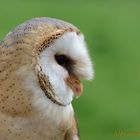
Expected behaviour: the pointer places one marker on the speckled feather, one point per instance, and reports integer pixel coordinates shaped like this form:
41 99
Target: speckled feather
20 49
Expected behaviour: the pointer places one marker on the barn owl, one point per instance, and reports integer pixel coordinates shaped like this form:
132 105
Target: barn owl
41 64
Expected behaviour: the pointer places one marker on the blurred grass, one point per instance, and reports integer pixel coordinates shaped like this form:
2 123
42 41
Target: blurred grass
112 29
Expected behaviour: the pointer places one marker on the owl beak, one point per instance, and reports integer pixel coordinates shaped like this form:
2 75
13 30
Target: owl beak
75 84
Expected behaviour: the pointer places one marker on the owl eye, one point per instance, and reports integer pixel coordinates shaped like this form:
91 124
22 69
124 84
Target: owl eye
65 62
61 59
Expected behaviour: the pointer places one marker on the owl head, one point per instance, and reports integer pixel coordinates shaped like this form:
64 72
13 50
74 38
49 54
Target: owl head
52 58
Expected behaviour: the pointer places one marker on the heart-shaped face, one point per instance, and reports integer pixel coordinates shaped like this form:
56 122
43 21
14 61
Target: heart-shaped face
64 63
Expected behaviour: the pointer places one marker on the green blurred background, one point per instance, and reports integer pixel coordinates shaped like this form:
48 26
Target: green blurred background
111 102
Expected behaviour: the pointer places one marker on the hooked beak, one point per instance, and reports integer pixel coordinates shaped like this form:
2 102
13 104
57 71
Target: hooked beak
75 84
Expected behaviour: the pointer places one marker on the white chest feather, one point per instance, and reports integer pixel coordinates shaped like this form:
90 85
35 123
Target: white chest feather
46 121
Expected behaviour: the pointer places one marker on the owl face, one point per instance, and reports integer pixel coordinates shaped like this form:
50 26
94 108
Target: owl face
64 63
